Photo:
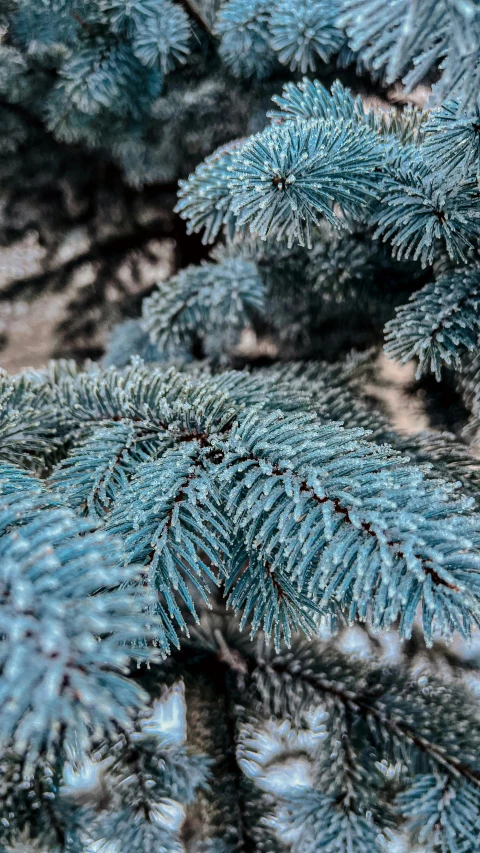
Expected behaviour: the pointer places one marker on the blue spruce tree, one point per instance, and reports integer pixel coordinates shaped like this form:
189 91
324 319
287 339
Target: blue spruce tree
239 605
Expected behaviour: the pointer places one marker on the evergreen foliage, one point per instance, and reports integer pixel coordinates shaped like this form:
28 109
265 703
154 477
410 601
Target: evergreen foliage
406 39
441 322
230 291
224 479
227 579
61 590
153 86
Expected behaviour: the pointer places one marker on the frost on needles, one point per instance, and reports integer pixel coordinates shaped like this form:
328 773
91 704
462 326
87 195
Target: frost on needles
295 517
326 159
229 480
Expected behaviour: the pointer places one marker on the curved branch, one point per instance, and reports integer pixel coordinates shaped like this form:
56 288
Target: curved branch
397 726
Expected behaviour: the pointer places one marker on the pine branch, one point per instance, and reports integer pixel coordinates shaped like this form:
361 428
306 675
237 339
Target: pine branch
398 727
231 289
438 324
408 41
288 508
63 585
315 728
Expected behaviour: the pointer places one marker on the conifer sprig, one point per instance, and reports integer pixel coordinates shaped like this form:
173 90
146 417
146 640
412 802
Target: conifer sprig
331 520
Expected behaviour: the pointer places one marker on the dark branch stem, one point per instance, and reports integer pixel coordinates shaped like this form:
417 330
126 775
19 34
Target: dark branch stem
52 814
135 757
80 21
192 7
230 726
